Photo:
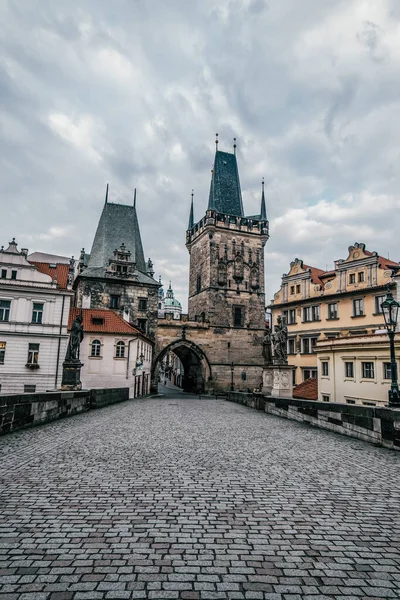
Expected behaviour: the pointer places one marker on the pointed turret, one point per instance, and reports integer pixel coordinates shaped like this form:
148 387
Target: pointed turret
118 223
191 215
106 200
263 211
225 194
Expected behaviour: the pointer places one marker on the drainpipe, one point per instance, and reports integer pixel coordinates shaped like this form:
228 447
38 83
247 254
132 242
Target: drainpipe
59 340
129 353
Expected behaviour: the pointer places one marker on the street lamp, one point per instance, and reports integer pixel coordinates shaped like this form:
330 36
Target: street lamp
390 310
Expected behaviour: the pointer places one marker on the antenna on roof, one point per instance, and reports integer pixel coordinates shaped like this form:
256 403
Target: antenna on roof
106 194
134 199
216 141
234 146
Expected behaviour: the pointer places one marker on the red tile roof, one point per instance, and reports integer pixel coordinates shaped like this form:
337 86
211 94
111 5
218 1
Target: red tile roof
308 390
112 322
59 272
315 274
382 261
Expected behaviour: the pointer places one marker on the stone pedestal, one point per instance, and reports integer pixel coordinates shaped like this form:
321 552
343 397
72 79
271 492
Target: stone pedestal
277 381
71 378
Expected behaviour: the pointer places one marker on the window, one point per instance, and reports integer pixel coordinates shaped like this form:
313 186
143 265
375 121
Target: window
368 370
2 352
238 316
290 316
325 368
114 301
387 370
349 369
95 348
33 354
294 377
5 310
29 389
311 313
291 349
292 289
13 274
37 313
350 401
325 398
352 278
142 303
97 320
120 350
198 284
4 273
142 324
333 310
298 288
378 304
308 373
361 276
358 307
309 344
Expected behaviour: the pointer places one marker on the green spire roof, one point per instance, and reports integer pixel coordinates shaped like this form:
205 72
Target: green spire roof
263 212
225 194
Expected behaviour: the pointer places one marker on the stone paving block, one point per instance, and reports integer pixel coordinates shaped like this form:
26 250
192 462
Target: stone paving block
99 509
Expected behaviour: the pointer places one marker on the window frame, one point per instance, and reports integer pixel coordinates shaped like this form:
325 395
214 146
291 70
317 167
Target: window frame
5 311
324 368
37 313
120 349
33 354
142 304
361 277
235 308
290 342
364 369
387 370
335 315
311 341
115 301
378 305
346 375
29 385
313 373
142 325
355 310
352 278
94 345
3 274
3 347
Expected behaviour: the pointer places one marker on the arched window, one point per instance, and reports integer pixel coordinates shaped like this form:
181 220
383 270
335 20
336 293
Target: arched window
95 348
120 350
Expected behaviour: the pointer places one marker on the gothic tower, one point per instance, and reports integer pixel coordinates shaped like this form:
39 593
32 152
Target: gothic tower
226 280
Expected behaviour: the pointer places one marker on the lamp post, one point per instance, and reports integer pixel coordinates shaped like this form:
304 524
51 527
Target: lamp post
390 310
231 376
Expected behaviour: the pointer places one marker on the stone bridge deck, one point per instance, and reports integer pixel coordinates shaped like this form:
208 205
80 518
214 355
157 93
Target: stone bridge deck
196 499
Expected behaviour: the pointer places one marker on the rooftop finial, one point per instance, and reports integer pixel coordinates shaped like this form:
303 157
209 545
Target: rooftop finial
216 141
234 146
134 199
191 214
263 211
262 183
106 194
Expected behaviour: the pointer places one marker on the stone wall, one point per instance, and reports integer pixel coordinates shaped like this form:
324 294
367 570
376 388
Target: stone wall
20 411
380 426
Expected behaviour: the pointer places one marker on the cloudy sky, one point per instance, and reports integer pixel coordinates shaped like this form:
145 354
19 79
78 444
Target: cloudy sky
131 92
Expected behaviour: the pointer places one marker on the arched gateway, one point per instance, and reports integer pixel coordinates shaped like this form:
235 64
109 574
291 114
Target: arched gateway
197 369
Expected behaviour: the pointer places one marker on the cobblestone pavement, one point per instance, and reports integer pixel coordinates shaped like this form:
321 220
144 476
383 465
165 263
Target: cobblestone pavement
196 499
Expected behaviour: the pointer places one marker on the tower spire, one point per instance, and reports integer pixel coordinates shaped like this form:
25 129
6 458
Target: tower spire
263 211
191 214
134 199
106 201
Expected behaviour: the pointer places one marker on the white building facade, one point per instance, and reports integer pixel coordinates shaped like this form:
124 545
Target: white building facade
114 353
34 309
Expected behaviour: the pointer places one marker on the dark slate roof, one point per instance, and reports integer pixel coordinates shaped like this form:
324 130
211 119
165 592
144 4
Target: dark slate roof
100 272
118 224
225 195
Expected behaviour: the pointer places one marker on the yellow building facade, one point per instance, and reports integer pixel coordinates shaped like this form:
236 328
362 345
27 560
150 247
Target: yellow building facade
325 305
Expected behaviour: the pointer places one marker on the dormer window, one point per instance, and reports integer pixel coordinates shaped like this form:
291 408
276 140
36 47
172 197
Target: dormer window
4 273
13 274
97 320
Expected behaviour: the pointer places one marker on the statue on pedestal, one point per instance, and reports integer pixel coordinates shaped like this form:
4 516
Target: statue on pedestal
71 377
75 339
279 340
267 346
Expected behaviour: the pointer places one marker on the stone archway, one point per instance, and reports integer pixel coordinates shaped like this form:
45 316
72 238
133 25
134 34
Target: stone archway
197 369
